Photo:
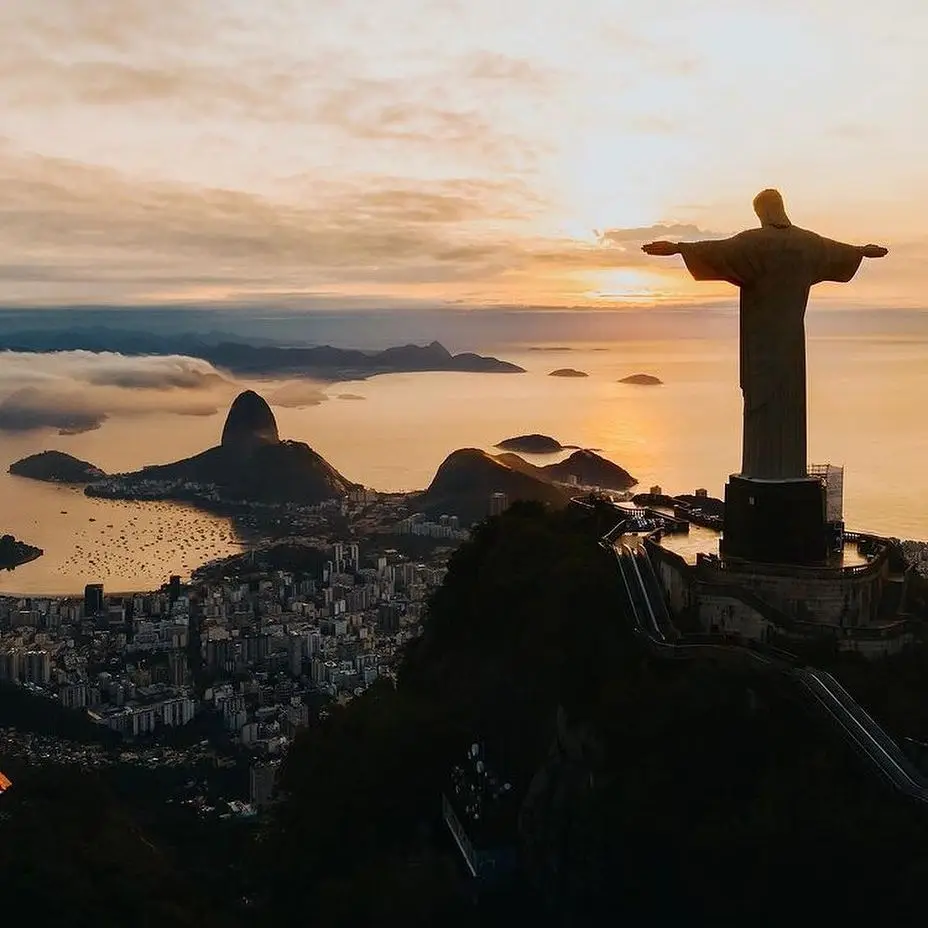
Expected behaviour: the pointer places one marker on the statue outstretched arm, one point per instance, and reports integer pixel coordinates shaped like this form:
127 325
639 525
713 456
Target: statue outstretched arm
838 262
729 259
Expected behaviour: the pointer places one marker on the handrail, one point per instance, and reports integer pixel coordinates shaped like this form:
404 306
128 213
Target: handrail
858 728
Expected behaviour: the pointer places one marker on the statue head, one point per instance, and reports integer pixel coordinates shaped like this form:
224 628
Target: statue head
768 205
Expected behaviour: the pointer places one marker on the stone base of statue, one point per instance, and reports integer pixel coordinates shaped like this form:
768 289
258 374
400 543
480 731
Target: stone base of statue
775 521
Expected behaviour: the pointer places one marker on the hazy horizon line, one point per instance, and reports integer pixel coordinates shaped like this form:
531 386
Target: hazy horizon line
406 306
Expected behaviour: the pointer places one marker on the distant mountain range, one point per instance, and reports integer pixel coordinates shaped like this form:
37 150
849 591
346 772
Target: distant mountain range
238 357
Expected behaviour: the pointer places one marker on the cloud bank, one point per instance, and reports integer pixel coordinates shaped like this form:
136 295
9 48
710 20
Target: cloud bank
170 151
297 394
77 391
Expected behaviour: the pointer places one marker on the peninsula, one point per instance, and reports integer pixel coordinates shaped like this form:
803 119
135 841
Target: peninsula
14 553
56 467
251 464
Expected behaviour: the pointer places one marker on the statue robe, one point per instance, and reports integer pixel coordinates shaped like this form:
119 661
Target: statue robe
774 267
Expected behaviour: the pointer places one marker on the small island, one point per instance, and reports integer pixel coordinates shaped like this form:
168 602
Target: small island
533 444
56 467
642 380
15 553
568 372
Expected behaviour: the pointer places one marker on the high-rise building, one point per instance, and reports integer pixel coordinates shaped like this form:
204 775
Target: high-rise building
37 667
353 554
177 667
295 651
499 503
93 599
262 783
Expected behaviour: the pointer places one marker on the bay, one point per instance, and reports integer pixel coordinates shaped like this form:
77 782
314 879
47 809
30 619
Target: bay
866 411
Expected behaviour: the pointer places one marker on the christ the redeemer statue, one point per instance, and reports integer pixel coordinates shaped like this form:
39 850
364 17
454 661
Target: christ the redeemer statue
774 267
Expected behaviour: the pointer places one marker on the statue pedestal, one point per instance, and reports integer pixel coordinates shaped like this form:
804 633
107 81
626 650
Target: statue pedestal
775 521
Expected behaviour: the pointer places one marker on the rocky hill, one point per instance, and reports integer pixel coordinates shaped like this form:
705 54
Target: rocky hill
590 469
285 472
250 423
56 467
583 467
251 463
467 478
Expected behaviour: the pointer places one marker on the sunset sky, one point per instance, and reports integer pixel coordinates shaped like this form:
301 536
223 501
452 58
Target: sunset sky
482 151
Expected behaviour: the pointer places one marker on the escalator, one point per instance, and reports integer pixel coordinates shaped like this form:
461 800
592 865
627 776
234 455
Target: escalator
635 593
863 729
648 610
659 610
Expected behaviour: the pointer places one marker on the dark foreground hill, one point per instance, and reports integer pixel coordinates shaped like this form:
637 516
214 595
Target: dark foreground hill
78 855
659 793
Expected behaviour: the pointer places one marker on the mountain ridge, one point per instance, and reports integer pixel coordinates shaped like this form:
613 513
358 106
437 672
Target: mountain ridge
241 357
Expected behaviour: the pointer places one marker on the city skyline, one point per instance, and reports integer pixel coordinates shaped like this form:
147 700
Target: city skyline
429 153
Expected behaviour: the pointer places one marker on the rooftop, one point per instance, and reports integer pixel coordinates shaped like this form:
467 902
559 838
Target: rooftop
701 540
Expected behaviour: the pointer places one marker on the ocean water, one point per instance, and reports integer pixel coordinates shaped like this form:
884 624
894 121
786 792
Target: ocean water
867 400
